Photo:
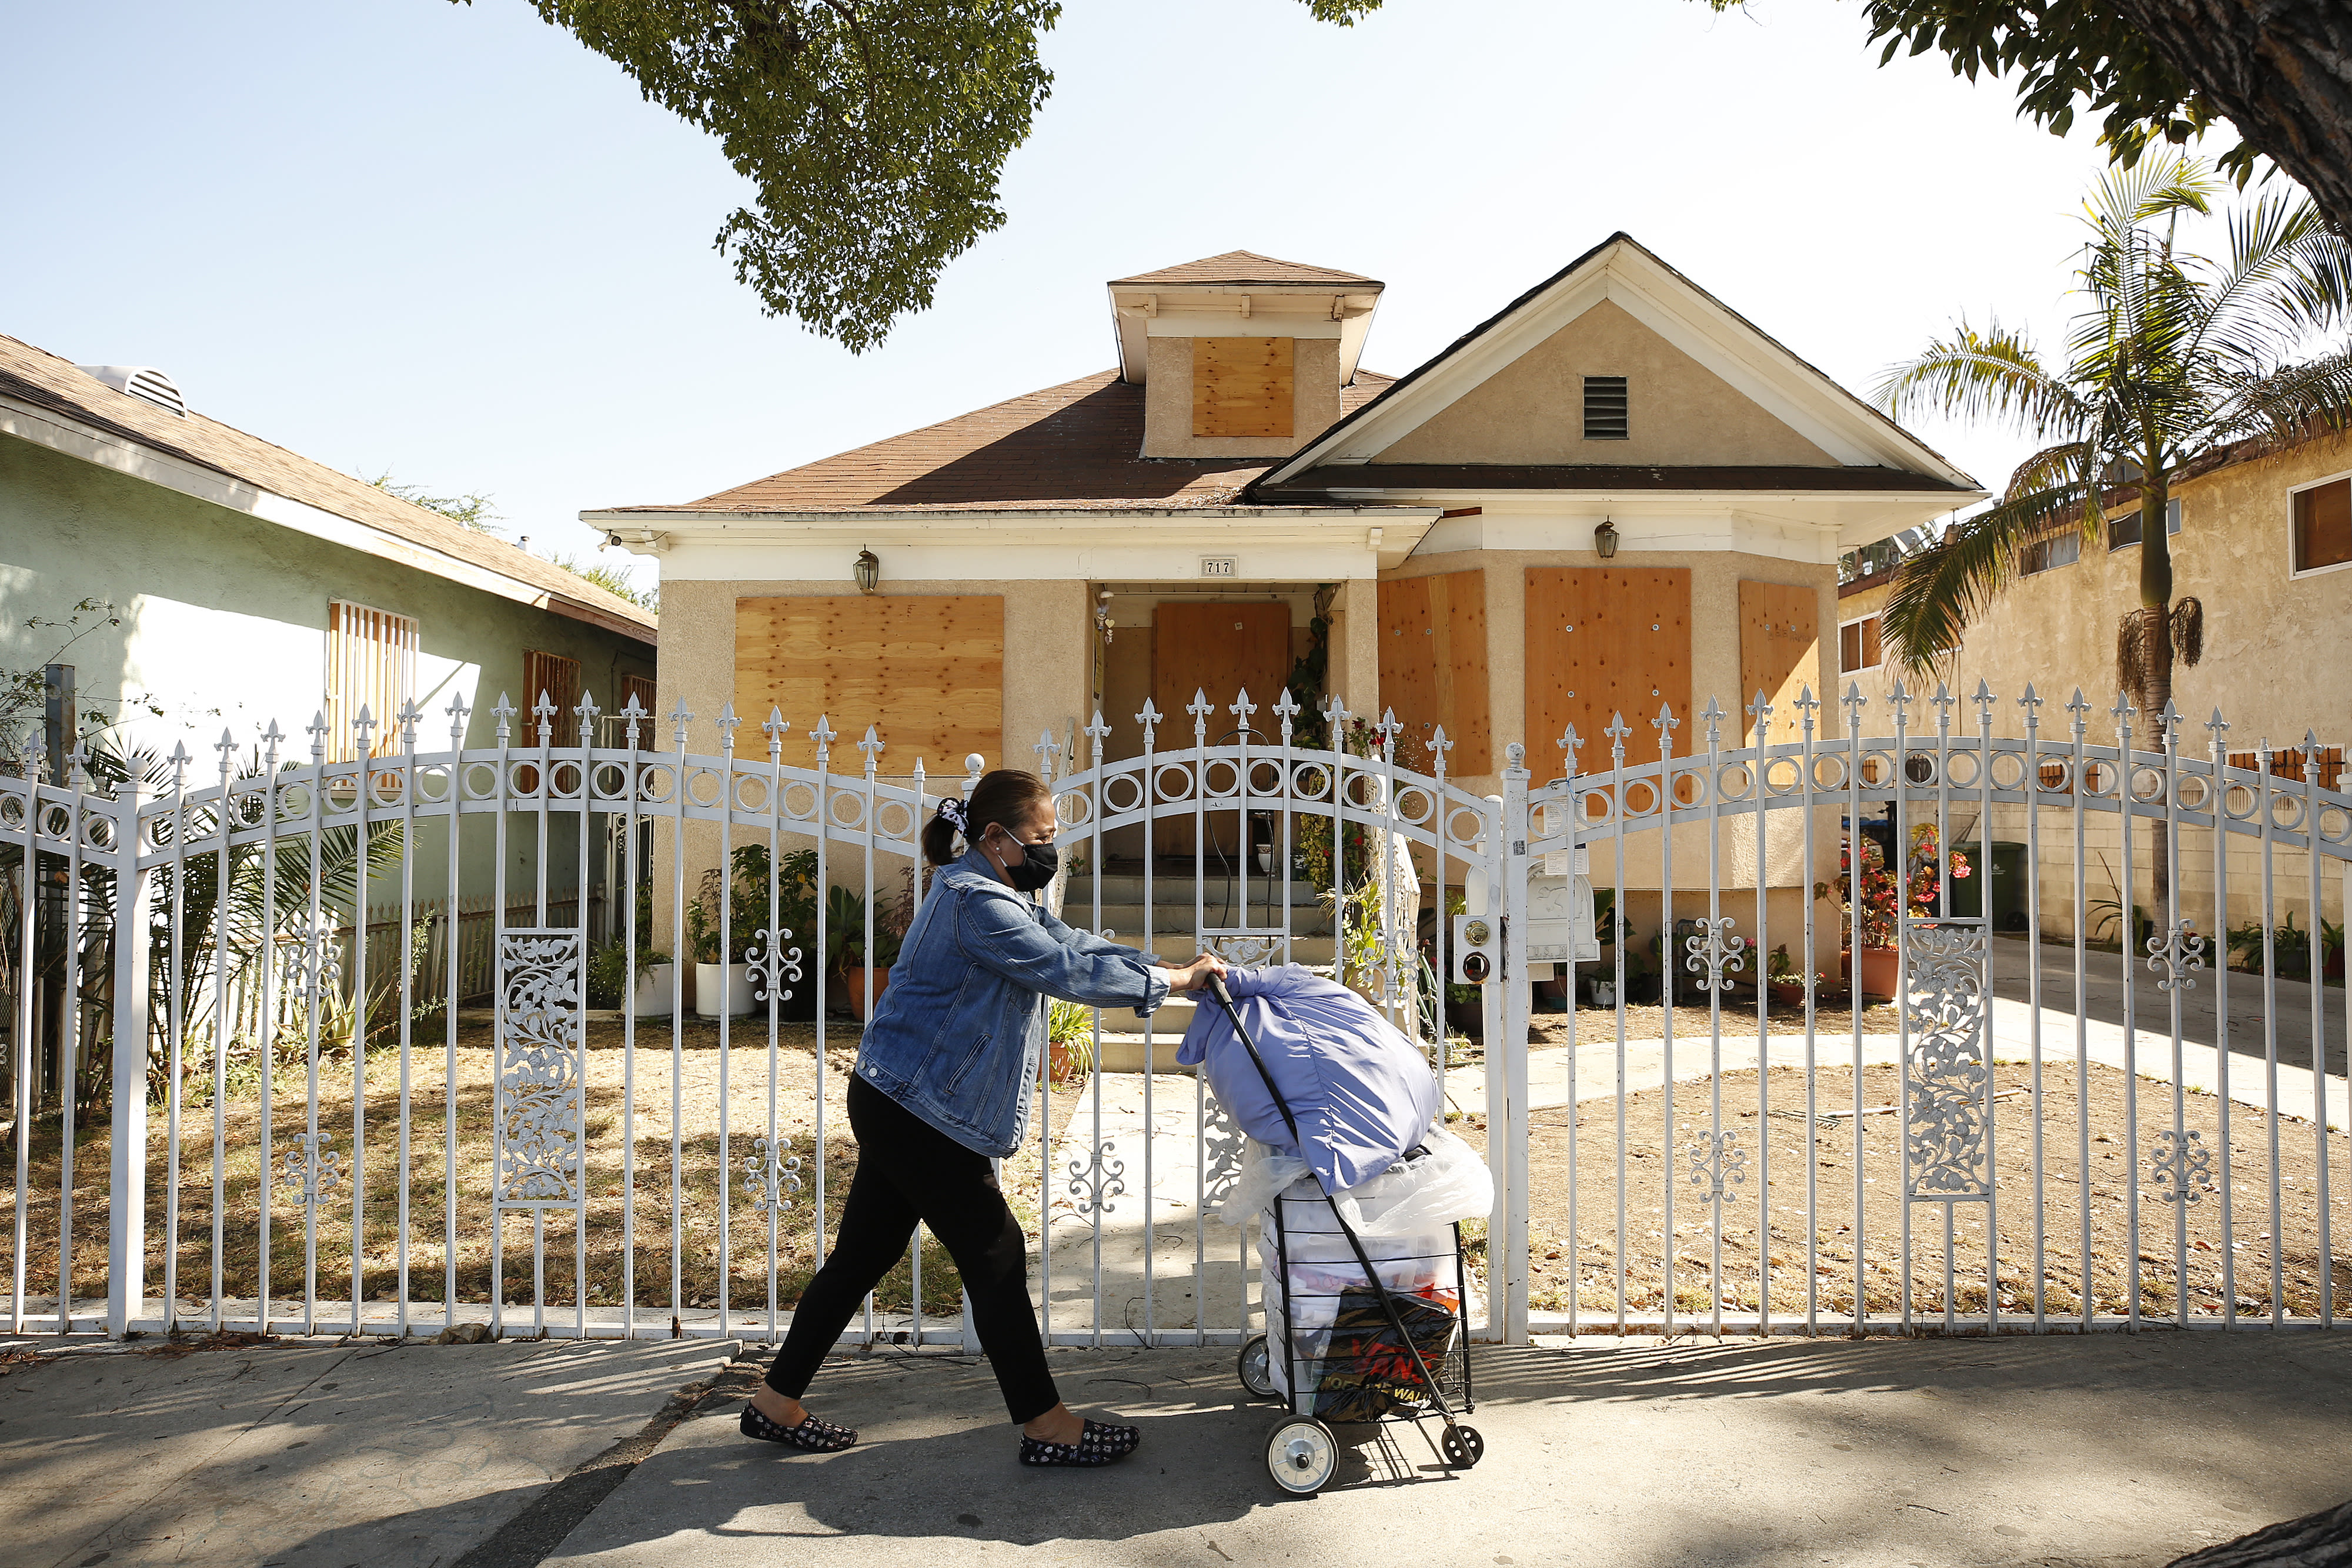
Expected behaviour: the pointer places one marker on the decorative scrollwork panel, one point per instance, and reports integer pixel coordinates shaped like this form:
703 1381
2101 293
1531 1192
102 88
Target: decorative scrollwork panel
541 1128
1947 1069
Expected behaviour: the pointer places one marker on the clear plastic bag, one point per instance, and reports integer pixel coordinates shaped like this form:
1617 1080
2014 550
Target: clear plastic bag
1449 1182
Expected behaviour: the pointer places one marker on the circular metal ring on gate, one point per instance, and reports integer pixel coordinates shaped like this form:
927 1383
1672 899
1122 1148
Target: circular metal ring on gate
844 795
431 782
657 783
704 788
293 801
2098 776
1598 806
12 810
1133 785
2053 775
387 786
896 818
97 831
564 780
2335 823
1301 789
2241 801
1642 798
1829 773
1784 776
2007 770
2193 790
1414 804
749 792
2287 813
1721 781
1454 830
2148 784
798 801
1073 808
1180 773
1963 770
1231 789
609 780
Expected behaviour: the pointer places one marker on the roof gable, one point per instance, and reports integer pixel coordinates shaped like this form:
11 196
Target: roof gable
1634 301
1237 267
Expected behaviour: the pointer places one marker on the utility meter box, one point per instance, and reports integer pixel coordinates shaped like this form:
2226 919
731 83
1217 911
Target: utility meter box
1559 909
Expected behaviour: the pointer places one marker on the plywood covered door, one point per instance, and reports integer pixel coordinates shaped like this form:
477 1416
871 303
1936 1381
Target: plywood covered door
1434 668
1780 652
1222 650
1602 641
926 671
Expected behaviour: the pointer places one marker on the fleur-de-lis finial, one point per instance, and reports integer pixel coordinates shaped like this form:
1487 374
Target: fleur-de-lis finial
225 745
272 740
1900 700
1242 708
317 730
1335 715
1942 702
1387 729
2078 706
2031 703
585 711
1286 707
728 721
633 714
1150 719
1438 746
773 728
458 714
1853 702
824 734
1048 751
545 710
1199 707
409 714
1098 732
679 718
1805 706
1984 700
872 747
1618 732
1714 716
2171 719
179 760
1569 743
2217 724
502 713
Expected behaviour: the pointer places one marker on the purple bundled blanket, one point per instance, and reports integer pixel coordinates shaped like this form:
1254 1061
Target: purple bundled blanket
1361 1093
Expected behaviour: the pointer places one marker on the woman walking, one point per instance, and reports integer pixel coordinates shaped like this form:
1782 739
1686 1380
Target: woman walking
942 1087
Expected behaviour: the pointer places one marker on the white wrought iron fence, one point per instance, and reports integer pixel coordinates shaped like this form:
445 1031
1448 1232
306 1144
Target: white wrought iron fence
2088 1122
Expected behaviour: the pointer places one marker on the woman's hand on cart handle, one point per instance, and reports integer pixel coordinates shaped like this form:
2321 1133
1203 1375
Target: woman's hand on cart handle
1194 975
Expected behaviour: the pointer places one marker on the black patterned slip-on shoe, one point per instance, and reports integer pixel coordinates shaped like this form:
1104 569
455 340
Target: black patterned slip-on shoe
1098 1444
816 1436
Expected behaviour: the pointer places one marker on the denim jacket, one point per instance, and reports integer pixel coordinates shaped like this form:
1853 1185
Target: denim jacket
956 1036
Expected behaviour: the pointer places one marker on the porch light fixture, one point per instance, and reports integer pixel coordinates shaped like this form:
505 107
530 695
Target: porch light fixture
867 571
1604 539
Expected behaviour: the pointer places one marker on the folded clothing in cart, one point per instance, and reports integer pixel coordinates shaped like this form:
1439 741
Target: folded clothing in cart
1361 1093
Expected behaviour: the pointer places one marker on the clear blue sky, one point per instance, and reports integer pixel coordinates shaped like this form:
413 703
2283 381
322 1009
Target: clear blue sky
449 242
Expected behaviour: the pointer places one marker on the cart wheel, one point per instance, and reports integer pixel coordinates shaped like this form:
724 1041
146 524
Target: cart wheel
1462 1446
1301 1454
1256 1368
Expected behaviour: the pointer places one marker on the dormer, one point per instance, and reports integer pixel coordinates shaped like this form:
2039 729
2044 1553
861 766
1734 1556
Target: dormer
1240 355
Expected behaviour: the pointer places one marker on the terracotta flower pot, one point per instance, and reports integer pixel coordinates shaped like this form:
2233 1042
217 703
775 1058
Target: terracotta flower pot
1789 993
1880 975
849 985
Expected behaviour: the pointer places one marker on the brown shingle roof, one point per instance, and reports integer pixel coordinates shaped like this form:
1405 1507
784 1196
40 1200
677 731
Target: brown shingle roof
1245 267
1071 446
38 377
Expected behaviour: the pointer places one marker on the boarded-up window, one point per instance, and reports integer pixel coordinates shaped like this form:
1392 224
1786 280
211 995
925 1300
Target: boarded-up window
1779 655
1434 668
557 679
1858 645
2323 525
1603 642
1242 386
371 664
927 672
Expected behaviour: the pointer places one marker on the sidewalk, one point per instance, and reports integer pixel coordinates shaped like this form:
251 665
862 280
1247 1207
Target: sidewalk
2112 1450
308 1453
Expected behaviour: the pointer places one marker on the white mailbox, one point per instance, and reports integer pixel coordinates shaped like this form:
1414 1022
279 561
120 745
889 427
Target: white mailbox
1560 910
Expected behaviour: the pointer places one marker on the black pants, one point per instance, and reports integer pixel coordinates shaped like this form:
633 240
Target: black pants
909 1170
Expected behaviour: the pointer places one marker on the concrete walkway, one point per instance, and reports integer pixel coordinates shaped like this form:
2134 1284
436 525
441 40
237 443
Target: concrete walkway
309 1454
1696 1056
2111 1450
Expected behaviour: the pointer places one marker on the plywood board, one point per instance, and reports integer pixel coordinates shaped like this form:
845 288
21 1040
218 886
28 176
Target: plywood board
1222 649
926 671
1434 668
1242 386
1603 641
1779 655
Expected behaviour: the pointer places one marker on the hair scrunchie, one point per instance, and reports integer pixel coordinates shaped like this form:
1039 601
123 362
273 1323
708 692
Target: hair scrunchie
952 813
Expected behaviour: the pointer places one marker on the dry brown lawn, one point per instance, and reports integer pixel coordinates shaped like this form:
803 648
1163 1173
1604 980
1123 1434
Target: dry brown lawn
2271 1256
688 1086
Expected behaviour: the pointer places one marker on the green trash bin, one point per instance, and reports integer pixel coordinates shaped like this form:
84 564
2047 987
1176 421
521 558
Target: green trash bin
2006 872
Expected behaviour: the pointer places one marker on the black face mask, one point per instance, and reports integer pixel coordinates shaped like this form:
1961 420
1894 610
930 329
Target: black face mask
1038 864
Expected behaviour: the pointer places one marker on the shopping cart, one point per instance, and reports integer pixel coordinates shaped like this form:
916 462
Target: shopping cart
1388 1355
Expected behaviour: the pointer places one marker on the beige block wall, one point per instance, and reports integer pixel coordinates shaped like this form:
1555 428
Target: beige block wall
1678 411
1167 399
1047 680
2278 649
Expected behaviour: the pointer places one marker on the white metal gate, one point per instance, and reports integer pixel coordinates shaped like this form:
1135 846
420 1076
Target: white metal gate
393 1053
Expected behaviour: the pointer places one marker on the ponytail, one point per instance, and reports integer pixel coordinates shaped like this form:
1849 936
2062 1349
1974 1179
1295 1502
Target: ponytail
998 797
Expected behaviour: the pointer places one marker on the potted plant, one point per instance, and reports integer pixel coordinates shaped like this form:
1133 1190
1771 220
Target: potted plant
1786 982
722 976
853 967
1869 906
656 991
1069 1042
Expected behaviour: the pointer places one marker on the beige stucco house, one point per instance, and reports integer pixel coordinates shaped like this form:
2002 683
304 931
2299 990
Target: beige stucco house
1183 520
2261 536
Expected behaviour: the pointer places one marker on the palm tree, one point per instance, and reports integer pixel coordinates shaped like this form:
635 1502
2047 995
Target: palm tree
2173 356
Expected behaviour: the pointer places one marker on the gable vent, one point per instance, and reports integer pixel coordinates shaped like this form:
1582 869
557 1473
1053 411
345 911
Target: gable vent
142 381
1605 408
